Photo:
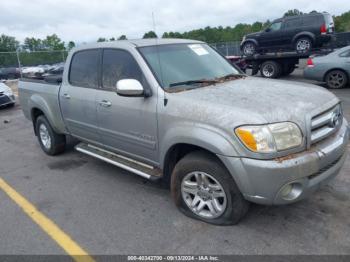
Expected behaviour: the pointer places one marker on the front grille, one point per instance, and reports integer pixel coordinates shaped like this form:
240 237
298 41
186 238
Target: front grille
324 169
4 99
326 123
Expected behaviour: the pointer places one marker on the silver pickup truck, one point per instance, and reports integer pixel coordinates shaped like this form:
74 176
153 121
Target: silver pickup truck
178 112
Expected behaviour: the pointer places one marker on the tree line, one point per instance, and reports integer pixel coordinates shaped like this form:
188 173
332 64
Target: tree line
207 34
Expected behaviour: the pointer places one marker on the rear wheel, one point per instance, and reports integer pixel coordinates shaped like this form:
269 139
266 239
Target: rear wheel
303 45
336 79
203 189
50 142
249 48
270 69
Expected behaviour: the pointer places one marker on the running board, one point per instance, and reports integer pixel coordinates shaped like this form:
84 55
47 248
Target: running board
136 167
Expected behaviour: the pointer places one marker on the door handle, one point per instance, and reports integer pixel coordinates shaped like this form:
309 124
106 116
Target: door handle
66 96
105 103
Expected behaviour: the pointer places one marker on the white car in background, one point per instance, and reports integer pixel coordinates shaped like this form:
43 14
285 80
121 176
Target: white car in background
7 97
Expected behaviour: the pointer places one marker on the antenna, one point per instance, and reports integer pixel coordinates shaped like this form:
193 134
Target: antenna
159 62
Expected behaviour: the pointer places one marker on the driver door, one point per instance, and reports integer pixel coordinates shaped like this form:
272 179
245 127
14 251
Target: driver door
272 35
127 125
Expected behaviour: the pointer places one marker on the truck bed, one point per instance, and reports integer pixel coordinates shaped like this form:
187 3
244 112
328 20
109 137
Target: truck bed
44 96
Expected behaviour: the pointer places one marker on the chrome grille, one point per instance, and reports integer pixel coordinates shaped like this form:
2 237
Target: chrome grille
326 123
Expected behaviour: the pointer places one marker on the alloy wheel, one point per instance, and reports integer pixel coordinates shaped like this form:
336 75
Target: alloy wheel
45 136
204 195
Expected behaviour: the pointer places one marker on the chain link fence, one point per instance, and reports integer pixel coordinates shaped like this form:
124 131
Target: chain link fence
32 64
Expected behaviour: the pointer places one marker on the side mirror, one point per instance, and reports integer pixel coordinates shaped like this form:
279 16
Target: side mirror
129 87
268 29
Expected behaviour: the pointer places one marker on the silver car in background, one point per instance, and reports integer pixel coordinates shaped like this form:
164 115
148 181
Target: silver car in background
7 97
333 69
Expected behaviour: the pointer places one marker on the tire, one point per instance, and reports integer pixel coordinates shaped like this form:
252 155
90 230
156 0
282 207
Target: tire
336 79
50 142
233 205
249 49
303 45
270 69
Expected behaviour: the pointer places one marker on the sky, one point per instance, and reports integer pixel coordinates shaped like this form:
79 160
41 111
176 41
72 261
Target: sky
87 20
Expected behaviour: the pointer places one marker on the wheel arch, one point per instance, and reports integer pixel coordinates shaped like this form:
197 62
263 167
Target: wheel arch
254 41
38 106
304 34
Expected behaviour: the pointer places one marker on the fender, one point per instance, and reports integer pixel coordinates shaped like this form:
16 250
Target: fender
55 120
250 40
205 137
304 33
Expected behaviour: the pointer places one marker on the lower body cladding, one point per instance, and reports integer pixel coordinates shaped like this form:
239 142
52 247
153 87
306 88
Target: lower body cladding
7 100
292 178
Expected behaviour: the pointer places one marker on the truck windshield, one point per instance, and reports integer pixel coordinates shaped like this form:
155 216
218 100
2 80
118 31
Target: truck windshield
186 65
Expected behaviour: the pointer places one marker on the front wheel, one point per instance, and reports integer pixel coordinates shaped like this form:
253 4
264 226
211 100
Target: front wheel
249 49
336 79
203 189
50 142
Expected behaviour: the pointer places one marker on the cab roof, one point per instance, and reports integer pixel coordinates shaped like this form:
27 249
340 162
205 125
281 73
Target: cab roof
137 43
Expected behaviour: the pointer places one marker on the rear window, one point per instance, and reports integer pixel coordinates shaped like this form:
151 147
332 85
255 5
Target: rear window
84 69
312 20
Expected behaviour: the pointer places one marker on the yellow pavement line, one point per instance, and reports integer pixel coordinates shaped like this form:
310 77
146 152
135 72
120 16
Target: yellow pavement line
61 238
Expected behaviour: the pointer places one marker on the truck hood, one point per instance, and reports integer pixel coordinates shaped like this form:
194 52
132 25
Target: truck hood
254 100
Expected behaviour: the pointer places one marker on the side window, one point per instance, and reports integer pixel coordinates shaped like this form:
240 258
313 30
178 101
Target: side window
311 20
276 26
117 65
345 54
84 69
292 23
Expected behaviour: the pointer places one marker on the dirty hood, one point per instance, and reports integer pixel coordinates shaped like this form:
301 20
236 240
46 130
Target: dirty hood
254 100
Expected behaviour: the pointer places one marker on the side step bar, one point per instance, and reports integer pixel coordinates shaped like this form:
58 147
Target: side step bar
131 165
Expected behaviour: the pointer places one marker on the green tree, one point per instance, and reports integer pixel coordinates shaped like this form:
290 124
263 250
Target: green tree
292 12
70 45
342 22
101 39
33 44
122 37
8 43
53 42
150 34
112 39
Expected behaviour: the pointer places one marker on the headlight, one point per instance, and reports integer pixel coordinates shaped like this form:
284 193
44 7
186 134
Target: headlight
270 138
8 92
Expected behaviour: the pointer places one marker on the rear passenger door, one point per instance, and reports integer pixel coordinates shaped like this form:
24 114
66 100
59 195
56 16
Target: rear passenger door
290 28
78 95
127 125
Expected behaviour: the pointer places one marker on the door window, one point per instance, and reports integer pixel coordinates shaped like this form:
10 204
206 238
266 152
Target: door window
275 26
84 69
117 65
345 54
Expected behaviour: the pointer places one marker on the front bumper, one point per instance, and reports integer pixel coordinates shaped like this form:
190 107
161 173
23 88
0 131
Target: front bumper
7 100
262 181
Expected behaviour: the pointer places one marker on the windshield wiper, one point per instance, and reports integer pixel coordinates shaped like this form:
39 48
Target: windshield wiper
192 82
228 76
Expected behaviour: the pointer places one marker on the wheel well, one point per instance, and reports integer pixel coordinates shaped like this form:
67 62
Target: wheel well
305 36
35 113
339 69
174 155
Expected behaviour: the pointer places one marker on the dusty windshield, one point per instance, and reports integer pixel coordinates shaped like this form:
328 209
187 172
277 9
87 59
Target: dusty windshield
187 66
